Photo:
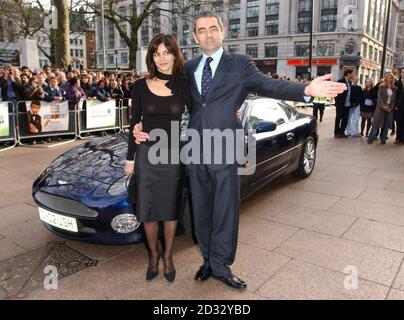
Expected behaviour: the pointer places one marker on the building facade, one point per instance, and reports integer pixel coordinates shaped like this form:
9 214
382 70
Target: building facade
400 37
275 33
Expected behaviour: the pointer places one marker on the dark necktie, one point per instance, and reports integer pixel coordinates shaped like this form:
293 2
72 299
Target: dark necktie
206 77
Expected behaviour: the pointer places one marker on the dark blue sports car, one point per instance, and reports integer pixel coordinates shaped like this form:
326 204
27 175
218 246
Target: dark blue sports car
83 193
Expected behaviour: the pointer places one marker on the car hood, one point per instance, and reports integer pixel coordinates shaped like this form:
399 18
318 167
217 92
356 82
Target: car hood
100 160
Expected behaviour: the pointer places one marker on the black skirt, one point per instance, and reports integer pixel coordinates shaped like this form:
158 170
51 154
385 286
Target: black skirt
159 188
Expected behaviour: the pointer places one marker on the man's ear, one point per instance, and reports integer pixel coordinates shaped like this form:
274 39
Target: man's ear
195 39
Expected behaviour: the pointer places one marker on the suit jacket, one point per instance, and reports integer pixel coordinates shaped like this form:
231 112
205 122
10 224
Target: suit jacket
18 90
236 76
341 98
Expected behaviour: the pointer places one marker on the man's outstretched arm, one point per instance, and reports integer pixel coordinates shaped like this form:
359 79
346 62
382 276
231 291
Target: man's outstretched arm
255 81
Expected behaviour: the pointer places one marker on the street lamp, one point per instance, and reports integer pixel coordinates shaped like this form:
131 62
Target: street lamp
116 60
311 41
386 34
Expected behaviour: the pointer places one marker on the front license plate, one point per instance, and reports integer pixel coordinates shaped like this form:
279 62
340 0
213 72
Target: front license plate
57 220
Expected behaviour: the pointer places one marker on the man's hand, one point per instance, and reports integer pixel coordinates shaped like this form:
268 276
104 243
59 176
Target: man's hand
139 135
321 87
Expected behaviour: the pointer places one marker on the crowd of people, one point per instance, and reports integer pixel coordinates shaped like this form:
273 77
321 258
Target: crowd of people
371 111
62 84
20 85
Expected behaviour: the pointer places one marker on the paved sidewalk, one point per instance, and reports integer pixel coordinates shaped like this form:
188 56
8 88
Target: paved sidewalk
297 239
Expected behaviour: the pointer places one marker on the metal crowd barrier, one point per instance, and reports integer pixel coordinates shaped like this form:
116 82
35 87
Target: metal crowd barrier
24 134
77 124
126 107
12 136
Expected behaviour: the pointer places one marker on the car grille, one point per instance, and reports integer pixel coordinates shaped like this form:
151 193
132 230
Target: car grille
64 205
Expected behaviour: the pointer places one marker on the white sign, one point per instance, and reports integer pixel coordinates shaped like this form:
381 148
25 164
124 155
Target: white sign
4 124
47 116
100 114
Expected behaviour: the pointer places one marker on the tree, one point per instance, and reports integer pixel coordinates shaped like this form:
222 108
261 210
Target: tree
26 19
136 17
62 34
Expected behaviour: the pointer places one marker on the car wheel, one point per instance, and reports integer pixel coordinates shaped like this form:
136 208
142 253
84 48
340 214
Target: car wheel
307 159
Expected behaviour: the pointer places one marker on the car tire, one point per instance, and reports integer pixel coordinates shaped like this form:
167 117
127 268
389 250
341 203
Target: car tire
307 159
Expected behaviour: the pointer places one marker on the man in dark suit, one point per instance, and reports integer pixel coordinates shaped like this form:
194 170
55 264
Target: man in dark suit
342 104
219 84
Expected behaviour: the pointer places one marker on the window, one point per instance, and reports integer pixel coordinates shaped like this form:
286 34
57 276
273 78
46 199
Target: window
302 48
234 49
365 50
272 8
268 110
110 59
234 30
234 11
328 23
329 4
252 9
111 35
304 16
271 28
325 48
252 29
124 58
271 50
196 52
252 50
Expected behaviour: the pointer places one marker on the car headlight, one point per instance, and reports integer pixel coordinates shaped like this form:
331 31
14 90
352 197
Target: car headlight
125 223
119 187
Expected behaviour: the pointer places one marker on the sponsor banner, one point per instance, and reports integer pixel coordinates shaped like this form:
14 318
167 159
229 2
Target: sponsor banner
4 123
47 116
100 114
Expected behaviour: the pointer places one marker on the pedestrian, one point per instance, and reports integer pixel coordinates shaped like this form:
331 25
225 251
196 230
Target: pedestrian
368 106
343 104
383 117
354 110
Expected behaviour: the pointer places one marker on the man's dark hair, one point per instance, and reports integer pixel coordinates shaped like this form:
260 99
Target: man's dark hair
209 14
275 76
73 81
348 71
35 103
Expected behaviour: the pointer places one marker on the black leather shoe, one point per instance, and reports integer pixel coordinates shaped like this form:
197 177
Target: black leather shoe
203 273
232 281
150 273
170 275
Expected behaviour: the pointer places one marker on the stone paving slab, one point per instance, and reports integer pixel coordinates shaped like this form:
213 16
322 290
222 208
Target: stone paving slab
303 281
374 264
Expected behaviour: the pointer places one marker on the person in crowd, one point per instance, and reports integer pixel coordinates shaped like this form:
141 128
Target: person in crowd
53 93
74 93
86 85
343 104
38 92
11 89
115 92
319 106
101 92
400 92
354 112
384 115
368 106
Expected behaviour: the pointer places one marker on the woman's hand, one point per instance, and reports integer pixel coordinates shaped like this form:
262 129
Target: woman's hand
129 168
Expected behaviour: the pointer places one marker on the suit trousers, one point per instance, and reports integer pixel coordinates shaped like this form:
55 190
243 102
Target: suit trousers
216 205
341 120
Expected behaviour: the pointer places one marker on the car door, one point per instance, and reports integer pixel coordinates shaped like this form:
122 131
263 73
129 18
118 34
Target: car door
272 148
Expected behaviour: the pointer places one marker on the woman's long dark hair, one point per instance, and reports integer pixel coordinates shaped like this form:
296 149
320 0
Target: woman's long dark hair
173 47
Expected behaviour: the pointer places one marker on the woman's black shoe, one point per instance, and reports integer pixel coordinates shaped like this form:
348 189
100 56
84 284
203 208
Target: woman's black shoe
150 273
170 275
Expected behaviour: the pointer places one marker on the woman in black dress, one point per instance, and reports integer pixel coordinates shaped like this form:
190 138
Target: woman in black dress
158 101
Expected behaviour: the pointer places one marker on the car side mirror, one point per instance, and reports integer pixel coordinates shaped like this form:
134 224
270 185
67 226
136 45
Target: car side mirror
265 126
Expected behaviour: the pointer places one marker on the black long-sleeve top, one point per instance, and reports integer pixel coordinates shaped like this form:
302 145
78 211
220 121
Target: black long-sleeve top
155 112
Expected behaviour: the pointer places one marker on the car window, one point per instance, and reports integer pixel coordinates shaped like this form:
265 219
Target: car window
268 110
